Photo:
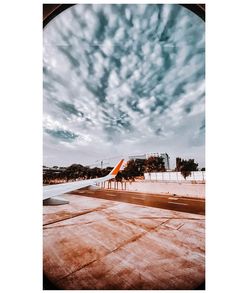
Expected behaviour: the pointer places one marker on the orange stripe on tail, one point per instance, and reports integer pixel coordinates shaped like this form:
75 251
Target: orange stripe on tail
117 168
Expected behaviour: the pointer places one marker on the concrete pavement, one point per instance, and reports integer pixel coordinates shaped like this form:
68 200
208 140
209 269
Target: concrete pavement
94 243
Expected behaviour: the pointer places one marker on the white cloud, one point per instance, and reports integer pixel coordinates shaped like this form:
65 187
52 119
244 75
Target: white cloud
114 88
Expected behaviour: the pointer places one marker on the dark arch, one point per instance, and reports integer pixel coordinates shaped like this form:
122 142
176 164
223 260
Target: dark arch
50 11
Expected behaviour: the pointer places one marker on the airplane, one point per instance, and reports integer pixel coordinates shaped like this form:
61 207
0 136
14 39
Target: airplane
51 191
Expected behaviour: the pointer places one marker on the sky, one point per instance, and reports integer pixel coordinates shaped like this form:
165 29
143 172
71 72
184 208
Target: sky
121 80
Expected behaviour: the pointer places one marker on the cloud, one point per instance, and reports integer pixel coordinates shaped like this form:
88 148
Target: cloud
122 79
62 134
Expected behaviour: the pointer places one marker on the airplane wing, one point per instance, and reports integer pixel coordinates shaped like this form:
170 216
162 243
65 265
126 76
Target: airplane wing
57 189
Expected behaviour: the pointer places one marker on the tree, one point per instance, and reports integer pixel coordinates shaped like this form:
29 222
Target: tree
155 164
186 167
74 171
95 172
106 171
133 169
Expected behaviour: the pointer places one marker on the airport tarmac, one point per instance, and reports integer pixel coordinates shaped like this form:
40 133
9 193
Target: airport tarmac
163 201
94 243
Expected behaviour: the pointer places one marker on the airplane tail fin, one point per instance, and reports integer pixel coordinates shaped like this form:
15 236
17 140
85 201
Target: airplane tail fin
116 169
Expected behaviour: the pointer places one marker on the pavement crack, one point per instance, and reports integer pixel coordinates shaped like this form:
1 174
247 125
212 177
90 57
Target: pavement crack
74 216
67 225
132 239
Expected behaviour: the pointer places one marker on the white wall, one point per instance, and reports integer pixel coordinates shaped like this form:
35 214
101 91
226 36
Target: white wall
175 176
187 189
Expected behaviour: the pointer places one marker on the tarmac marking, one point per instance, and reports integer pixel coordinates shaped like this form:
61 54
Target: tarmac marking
137 198
111 194
158 196
173 198
180 203
193 199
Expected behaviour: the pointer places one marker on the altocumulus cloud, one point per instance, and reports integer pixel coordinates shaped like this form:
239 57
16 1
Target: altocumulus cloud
122 79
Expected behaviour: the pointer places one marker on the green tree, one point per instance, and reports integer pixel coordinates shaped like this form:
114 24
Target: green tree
187 166
134 168
74 171
155 164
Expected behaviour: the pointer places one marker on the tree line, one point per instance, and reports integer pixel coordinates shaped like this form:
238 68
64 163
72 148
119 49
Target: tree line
134 168
73 172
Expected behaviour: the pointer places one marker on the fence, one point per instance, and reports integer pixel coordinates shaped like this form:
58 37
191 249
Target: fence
199 176
120 185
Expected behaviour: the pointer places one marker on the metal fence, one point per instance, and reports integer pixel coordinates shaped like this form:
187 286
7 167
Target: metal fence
120 185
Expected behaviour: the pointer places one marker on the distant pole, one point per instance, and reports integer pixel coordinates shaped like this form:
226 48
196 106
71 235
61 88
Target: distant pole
101 164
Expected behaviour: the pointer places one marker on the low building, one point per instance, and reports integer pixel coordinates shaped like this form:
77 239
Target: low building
141 157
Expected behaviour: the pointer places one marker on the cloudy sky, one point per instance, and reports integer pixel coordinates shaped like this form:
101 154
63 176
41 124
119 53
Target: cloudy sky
121 80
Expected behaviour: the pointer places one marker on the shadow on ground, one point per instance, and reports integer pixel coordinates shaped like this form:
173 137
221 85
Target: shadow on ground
47 285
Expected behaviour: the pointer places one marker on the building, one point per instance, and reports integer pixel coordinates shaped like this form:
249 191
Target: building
178 164
165 157
141 157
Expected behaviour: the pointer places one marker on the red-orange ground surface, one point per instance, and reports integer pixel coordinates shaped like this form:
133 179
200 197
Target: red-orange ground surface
94 243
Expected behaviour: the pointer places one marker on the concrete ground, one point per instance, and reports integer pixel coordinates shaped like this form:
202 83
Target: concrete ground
93 243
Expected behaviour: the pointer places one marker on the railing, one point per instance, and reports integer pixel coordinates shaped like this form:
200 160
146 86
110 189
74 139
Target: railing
119 185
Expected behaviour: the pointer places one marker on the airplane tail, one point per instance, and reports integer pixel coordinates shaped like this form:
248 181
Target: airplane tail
116 169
